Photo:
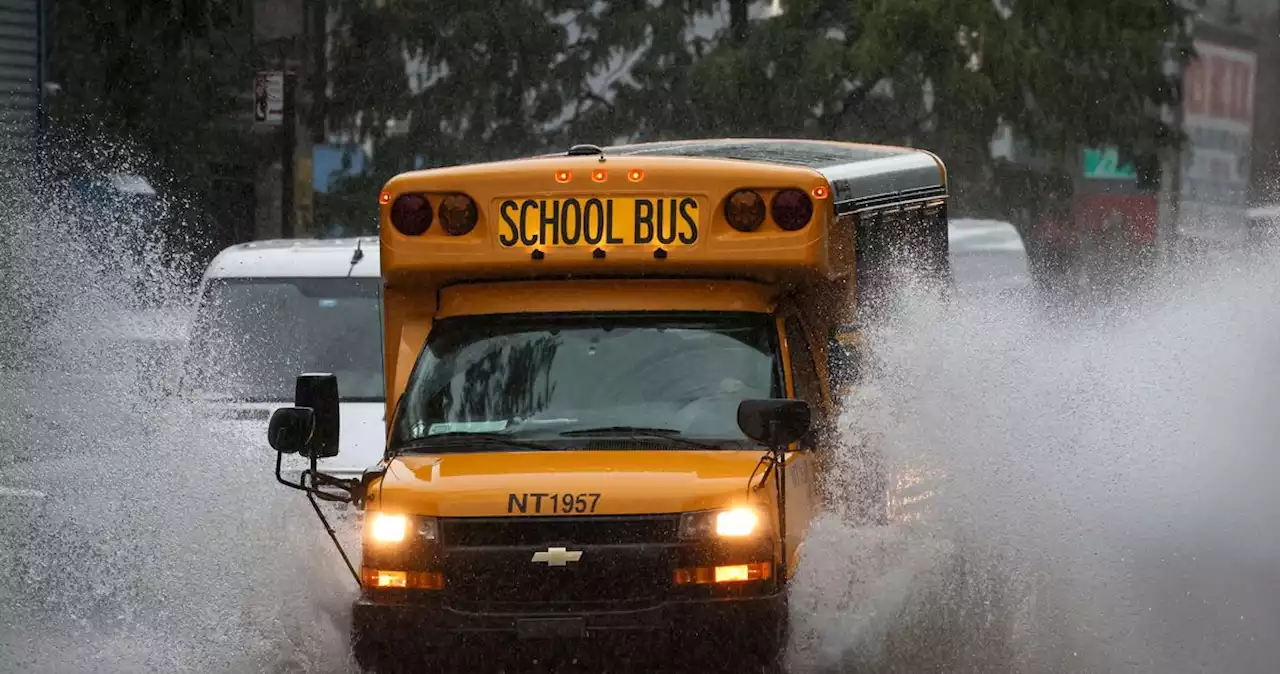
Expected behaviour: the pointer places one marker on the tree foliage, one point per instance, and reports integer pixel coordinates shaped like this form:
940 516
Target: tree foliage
502 78
437 82
155 88
936 73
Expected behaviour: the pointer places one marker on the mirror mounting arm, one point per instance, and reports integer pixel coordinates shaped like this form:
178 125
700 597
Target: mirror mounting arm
779 452
310 482
315 505
313 473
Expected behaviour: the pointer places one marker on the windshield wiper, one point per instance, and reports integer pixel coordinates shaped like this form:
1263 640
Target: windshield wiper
455 439
638 432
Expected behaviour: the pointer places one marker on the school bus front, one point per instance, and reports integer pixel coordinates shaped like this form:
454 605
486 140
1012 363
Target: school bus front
604 374
572 449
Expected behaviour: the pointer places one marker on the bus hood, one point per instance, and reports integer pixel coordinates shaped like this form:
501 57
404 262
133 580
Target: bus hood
500 484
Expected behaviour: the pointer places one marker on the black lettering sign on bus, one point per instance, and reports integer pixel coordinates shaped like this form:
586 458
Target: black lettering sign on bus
571 221
564 503
593 225
666 223
644 221
505 238
608 218
550 218
691 222
525 238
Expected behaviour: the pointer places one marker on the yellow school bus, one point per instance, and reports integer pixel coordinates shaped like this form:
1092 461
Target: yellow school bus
611 374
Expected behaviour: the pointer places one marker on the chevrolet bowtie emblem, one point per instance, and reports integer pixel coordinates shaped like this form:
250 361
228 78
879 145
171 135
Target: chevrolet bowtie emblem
557 556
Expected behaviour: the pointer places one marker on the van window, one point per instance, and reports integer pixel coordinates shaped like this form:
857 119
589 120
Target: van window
253 337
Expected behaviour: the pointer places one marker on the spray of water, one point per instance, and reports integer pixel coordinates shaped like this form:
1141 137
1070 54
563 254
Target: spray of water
1078 489
1075 491
137 532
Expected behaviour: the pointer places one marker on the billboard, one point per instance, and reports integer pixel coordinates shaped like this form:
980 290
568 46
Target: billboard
1217 120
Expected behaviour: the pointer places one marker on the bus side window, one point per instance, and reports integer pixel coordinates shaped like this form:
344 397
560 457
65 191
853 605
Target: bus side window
805 373
844 361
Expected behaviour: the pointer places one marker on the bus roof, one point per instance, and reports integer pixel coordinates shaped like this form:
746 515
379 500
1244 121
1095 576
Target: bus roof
862 176
514 207
296 258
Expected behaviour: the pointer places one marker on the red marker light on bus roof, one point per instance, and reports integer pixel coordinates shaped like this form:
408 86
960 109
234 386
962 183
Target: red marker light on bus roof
635 175
820 192
792 209
384 198
599 175
411 214
744 210
563 176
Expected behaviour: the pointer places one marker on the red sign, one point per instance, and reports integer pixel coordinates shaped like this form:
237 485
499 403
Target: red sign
1135 213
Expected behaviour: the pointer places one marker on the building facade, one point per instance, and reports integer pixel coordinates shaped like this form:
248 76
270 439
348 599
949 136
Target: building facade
21 76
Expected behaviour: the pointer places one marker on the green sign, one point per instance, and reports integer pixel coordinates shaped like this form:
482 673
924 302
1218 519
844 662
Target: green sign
1104 164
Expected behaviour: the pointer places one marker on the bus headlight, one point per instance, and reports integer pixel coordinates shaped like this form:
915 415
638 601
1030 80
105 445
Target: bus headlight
388 528
394 527
733 523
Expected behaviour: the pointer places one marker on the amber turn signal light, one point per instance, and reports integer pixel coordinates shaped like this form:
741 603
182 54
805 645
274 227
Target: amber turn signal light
744 210
458 214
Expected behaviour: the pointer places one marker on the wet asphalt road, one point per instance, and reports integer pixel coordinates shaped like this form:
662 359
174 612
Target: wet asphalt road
136 538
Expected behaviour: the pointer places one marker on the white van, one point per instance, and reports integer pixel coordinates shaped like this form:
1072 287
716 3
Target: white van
988 257
268 310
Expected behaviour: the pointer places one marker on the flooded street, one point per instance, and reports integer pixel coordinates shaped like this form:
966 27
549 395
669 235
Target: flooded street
1099 500
566 241
158 543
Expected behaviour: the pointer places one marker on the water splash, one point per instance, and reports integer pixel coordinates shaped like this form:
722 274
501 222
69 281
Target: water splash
1099 486
137 532
1096 485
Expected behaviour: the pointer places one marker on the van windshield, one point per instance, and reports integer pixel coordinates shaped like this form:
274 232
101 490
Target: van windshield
562 380
254 336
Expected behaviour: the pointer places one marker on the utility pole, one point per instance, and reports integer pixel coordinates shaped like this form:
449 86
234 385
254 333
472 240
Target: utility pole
288 151
278 33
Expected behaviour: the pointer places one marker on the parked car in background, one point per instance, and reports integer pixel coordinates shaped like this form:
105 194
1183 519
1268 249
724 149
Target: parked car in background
1263 224
989 258
270 309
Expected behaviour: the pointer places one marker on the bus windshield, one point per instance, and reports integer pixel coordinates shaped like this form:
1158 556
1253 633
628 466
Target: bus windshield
254 335
557 378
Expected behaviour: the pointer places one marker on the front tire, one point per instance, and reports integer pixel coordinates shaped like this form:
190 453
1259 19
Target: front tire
375 654
751 648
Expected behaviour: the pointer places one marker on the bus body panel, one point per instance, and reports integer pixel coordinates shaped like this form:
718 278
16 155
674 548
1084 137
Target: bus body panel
624 482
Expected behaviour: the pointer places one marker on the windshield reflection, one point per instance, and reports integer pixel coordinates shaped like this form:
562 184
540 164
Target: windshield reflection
550 377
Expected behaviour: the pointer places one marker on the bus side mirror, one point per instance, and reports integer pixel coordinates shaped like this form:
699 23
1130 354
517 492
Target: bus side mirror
290 429
774 422
320 393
